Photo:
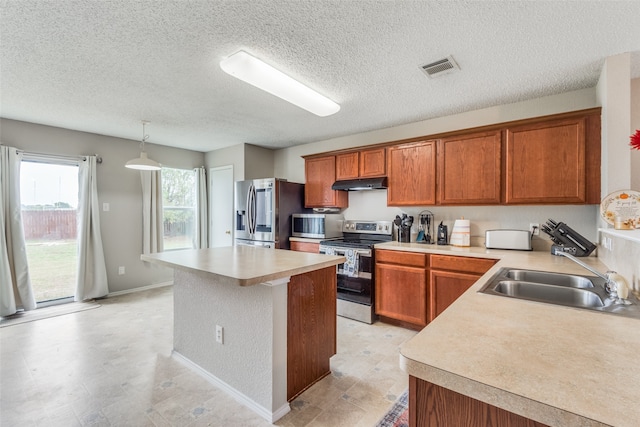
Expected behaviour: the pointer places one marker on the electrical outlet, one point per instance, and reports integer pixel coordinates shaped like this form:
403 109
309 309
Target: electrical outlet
121 270
534 227
219 334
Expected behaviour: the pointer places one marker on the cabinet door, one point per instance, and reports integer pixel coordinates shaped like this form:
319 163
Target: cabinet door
347 165
411 171
445 287
546 163
401 293
373 162
320 174
469 169
310 247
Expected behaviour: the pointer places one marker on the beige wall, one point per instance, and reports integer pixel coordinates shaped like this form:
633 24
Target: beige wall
121 226
249 161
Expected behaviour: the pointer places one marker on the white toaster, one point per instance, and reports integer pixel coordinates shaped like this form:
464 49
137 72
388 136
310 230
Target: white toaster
508 239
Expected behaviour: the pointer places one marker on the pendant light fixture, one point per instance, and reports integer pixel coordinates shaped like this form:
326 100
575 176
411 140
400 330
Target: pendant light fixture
251 70
143 162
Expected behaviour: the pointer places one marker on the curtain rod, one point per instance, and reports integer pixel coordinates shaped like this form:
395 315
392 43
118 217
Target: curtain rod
59 157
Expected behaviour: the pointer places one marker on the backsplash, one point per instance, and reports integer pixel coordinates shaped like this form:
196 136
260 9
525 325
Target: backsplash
620 251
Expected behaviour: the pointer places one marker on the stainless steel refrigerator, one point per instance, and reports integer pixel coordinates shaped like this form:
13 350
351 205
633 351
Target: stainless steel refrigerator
263 209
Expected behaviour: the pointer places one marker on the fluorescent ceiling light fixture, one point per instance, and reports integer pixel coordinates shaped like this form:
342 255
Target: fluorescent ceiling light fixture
251 70
143 163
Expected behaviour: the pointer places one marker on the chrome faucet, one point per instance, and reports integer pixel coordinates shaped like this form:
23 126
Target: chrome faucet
613 281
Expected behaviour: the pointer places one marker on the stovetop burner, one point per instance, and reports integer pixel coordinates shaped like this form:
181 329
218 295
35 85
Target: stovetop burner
362 234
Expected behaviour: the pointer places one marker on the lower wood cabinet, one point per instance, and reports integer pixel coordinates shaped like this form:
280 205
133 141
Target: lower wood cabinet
450 277
433 406
401 286
310 247
414 288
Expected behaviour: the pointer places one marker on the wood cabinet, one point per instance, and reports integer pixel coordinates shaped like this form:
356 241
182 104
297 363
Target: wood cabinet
401 286
431 405
347 166
373 162
310 247
546 162
411 172
361 164
311 328
469 169
320 174
451 276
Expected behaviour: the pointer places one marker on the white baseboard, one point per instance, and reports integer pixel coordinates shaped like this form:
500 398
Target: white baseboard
140 289
237 395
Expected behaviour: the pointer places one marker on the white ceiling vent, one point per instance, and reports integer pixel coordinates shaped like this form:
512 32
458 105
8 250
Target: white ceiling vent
440 68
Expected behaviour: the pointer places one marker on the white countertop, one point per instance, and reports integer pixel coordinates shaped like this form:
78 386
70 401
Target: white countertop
558 365
244 265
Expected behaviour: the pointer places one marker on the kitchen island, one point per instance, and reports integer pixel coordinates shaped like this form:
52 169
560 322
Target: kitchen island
259 323
494 357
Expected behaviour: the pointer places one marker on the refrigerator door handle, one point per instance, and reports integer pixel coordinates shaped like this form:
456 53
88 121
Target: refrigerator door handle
251 209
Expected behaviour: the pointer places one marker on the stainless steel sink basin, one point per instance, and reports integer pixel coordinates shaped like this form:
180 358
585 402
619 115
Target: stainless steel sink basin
558 279
574 297
570 290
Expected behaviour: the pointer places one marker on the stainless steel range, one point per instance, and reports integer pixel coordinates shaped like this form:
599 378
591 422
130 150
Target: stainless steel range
356 290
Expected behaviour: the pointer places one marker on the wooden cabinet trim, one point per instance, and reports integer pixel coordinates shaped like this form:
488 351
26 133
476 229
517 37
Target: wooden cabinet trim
410 259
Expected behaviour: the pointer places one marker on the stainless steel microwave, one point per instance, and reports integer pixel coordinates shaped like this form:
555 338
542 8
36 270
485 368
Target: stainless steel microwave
317 226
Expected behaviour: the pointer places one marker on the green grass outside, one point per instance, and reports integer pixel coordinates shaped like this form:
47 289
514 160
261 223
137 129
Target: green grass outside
52 268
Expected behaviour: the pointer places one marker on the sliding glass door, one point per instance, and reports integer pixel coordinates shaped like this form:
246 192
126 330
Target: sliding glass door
49 197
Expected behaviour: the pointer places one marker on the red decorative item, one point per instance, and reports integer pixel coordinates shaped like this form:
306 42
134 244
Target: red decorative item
635 140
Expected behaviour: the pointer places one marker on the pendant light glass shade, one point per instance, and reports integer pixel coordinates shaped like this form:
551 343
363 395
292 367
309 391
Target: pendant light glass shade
143 163
251 70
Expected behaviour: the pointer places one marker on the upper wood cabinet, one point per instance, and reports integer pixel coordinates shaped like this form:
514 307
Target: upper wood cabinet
546 162
347 165
411 174
373 162
361 164
469 169
320 174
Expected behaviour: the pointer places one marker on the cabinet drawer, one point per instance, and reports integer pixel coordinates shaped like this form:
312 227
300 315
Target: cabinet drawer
462 264
411 259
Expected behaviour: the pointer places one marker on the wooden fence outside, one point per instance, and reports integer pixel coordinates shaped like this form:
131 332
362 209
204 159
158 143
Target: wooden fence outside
58 224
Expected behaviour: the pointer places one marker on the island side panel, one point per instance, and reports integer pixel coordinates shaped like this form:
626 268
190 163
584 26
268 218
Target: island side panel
254 320
432 405
311 328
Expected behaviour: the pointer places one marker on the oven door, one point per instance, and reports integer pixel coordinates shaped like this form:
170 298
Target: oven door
355 275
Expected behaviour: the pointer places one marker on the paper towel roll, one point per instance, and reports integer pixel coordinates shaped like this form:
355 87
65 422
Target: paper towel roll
461 234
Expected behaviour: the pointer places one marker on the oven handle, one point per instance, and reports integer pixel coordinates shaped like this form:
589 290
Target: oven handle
353 291
361 275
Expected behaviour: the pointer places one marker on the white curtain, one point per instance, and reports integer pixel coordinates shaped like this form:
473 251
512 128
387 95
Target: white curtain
202 230
15 284
152 229
92 271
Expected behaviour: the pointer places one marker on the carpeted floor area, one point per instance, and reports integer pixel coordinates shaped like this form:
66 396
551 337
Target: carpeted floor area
46 312
398 415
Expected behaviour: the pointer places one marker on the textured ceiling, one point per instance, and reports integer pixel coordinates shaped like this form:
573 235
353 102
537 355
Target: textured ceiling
103 66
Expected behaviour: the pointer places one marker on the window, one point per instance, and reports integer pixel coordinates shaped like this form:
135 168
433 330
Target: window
179 203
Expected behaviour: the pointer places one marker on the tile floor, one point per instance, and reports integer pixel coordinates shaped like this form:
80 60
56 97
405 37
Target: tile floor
112 366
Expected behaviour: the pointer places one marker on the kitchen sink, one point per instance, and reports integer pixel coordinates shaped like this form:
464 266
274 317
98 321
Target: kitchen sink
569 290
557 279
562 295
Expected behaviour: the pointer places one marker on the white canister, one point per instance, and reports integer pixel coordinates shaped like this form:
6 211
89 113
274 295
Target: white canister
461 234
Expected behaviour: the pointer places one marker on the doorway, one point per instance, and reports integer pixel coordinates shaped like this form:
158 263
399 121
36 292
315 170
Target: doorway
221 206
49 199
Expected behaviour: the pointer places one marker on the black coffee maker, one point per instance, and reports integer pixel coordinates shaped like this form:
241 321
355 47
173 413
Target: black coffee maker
443 236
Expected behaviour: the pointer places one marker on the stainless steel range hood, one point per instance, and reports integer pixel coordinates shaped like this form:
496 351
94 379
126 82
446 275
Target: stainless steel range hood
360 184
